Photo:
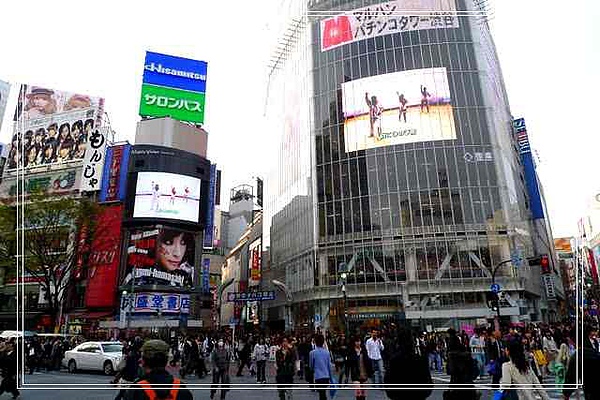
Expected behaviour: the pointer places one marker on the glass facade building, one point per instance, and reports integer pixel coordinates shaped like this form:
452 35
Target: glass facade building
411 228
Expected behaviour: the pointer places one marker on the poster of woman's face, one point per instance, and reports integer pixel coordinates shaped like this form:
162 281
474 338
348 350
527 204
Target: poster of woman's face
175 250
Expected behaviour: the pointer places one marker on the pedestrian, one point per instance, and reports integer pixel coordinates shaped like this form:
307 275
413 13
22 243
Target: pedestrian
244 356
220 359
560 365
320 364
461 368
374 348
285 359
591 364
358 368
9 370
155 356
518 372
477 345
408 367
128 371
260 355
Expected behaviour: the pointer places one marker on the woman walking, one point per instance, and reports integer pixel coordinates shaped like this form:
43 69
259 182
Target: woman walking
357 361
518 372
285 359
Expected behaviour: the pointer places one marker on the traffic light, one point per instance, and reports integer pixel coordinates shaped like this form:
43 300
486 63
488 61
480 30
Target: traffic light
493 301
545 264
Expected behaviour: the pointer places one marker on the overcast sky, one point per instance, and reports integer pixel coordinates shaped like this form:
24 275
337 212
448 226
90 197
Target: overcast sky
549 52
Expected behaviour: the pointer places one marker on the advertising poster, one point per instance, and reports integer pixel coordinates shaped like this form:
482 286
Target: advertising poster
397 108
166 195
255 262
175 72
93 162
165 303
210 212
158 101
52 127
4 92
104 259
52 183
387 18
114 177
162 256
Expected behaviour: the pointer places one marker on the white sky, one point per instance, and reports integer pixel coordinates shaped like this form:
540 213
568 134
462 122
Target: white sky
549 52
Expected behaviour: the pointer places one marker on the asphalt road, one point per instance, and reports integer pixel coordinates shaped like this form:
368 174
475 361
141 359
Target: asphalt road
36 387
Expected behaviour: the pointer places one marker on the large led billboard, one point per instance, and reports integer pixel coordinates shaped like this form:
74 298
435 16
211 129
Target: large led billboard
52 127
160 256
387 18
397 108
166 195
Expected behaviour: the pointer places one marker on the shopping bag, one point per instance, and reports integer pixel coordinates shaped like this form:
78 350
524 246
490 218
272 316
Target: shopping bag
333 386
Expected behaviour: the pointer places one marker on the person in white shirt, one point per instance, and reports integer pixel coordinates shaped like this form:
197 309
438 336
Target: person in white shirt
477 345
550 350
374 348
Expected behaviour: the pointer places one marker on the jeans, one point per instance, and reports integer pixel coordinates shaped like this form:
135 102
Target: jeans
260 371
435 361
480 358
219 376
322 390
378 371
284 386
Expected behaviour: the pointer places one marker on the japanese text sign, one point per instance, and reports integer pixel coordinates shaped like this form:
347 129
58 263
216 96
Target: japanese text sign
250 296
93 162
387 18
164 303
181 105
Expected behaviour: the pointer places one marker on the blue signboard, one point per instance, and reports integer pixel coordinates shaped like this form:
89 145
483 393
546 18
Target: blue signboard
210 212
531 182
175 72
206 275
114 176
495 288
250 296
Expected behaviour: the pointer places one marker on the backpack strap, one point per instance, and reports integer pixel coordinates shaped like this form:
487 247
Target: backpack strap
148 391
175 391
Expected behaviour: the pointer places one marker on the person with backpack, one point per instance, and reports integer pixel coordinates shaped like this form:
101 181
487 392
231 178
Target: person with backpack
128 370
155 355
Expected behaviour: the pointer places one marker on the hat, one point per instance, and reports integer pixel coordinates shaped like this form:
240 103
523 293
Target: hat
36 90
153 347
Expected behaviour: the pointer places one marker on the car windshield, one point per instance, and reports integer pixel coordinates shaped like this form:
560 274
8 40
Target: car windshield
112 348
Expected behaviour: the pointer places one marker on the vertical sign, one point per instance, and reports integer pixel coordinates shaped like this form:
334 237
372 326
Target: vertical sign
111 178
210 212
206 275
93 161
537 210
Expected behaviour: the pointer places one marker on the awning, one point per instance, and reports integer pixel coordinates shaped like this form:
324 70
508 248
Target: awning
90 315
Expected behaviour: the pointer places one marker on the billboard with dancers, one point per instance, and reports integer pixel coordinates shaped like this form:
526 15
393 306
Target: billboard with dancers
166 195
397 108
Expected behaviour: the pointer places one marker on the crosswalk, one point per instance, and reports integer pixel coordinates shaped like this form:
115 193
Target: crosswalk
485 385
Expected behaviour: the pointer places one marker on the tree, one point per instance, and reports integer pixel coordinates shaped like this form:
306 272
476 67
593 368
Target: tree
52 239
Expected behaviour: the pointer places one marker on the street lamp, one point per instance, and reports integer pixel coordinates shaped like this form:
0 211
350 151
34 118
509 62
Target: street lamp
343 276
288 301
220 290
128 309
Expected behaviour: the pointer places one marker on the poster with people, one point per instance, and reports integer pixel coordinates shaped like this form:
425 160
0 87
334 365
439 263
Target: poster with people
160 256
167 195
397 108
52 127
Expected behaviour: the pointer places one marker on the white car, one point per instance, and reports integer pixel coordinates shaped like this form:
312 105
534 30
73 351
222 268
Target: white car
94 356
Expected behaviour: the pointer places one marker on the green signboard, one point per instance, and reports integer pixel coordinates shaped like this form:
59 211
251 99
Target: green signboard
182 105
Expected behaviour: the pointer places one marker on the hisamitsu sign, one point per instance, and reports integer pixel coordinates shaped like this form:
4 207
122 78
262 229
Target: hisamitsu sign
250 296
175 72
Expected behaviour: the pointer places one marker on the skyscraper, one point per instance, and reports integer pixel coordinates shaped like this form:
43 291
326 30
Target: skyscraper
397 188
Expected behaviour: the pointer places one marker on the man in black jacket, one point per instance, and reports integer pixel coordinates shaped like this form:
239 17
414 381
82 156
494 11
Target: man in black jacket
155 355
591 363
9 370
407 367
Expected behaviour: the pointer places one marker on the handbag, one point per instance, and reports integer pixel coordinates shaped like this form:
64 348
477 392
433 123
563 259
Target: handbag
540 358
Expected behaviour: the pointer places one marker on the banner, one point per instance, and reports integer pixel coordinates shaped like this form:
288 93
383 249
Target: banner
4 92
53 183
53 127
162 256
165 303
167 195
158 101
548 281
387 18
175 72
206 275
104 259
210 212
250 296
254 259
93 162
114 177
397 108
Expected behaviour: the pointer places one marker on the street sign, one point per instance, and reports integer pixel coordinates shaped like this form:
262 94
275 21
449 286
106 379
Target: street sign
495 288
250 296
318 318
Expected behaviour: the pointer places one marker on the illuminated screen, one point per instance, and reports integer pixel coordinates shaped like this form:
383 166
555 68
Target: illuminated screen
397 108
166 195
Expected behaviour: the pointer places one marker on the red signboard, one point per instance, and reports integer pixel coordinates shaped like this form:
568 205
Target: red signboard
104 259
114 172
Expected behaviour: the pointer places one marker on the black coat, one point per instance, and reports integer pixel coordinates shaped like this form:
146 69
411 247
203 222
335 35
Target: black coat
591 363
408 368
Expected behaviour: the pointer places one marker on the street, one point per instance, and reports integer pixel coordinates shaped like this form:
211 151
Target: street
247 392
